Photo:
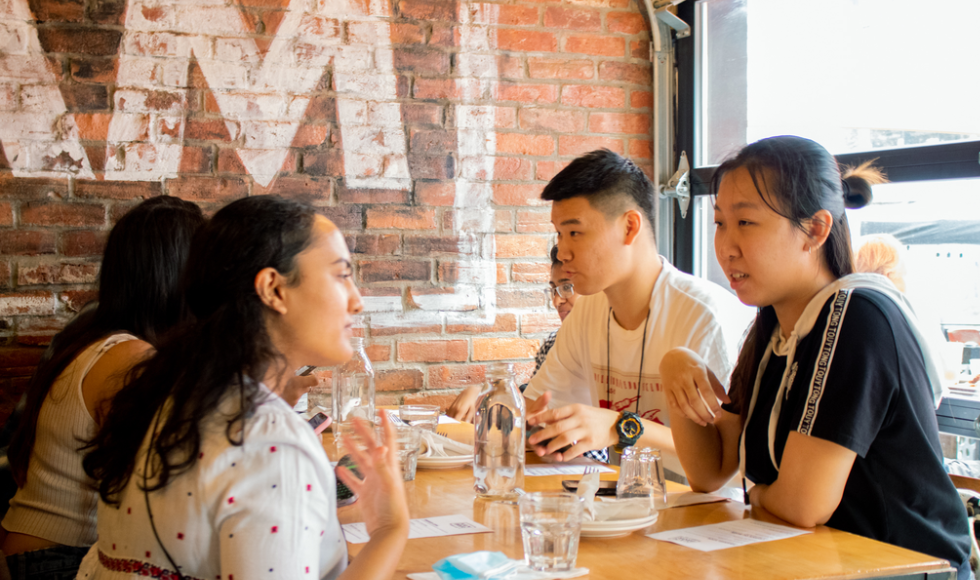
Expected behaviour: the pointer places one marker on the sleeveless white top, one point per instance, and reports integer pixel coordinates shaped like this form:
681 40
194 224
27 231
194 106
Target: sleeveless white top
58 503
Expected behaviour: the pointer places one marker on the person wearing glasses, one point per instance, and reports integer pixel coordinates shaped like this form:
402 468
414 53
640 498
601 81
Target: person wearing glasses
600 384
562 294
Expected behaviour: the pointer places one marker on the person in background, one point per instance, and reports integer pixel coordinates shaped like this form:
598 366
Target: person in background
563 299
601 380
830 412
51 520
881 254
202 469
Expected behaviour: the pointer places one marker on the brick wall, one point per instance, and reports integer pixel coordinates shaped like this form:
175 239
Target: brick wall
424 128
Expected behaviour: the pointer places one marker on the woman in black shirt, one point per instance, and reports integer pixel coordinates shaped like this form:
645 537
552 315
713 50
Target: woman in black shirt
832 404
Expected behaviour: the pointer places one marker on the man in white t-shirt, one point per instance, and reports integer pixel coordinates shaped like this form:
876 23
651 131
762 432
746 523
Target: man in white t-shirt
633 307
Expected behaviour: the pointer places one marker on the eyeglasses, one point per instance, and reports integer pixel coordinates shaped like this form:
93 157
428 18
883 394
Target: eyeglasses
564 291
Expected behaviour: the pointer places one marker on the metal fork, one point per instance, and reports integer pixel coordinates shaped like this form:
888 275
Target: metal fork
443 434
589 470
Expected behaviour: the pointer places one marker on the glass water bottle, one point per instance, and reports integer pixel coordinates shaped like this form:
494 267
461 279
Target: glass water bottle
498 465
353 387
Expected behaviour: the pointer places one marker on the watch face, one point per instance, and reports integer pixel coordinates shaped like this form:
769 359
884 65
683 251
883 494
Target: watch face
630 427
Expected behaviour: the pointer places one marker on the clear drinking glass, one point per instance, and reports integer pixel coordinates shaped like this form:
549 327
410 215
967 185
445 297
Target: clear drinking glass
550 526
421 416
409 442
353 386
498 465
641 474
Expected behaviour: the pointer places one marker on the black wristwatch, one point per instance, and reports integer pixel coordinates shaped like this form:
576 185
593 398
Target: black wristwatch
629 428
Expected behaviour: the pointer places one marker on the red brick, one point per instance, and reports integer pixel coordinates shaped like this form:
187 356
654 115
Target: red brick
195 159
640 49
636 74
206 130
402 218
574 145
630 123
407 327
504 348
230 162
82 243
422 114
641 99
545 170
422 60
509 66
81 40
572 18
519 40
593 97
26 243
442 36
513 169
435 89
543 322
518 246
559 68
532 272
27 303
427 10
74 300
596 45
59 11
501 323
80 97
373 244
346 217
432 351
126 190
302 187
439 193
534 221
406 33
432 166
93 126
327 163
60 273
436 245
526 93
518 194
432 141
552 120
521 298
5 278
311 135
62 214
516 15
398 380
455 376
519 144
505 118
207 188
347 195
640 148
322 109
503 220
442 401
393 271
625 22
378 352
32 187
17 361
6 214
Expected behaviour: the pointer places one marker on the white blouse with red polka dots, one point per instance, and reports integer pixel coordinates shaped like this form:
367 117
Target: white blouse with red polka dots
262 510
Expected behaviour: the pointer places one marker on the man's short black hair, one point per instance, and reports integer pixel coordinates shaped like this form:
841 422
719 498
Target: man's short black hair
612 184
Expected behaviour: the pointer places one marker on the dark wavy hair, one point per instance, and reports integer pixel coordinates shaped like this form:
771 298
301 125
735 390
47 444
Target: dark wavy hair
800 178
139 293
227 347
610 182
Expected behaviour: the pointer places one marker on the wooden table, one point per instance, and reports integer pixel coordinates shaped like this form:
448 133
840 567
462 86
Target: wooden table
826 553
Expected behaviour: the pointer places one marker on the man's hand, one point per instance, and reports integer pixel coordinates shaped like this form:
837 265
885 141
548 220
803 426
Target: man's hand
296 387
464 407
583 427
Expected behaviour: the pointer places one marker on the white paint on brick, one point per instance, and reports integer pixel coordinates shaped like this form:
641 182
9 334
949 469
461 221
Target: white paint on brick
37 305
262 96
462 298
408 319
40 138
382 303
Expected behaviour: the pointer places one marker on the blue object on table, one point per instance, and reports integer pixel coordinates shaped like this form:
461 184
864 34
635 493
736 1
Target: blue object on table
469 566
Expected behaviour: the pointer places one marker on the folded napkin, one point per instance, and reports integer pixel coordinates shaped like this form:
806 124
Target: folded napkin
435 445
489 566
611 509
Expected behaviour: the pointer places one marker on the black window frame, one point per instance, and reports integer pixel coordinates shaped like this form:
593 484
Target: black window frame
954 160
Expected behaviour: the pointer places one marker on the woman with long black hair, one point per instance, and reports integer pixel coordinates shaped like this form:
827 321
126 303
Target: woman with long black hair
831 410
51 521
203 470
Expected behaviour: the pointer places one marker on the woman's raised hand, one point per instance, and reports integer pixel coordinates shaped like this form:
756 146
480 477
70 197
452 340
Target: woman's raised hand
692 389
381 491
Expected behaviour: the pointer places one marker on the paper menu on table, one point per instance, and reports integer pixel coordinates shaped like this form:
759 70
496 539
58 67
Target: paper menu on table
540 470
727 535
453 525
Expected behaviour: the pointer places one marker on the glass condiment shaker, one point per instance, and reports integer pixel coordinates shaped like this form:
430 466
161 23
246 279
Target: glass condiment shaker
498 464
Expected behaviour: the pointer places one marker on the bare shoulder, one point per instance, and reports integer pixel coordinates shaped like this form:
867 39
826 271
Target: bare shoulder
108 374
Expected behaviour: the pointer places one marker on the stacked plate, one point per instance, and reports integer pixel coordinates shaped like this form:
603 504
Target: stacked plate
450 462
617 528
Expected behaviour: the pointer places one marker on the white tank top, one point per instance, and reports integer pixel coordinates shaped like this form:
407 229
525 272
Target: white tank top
58 503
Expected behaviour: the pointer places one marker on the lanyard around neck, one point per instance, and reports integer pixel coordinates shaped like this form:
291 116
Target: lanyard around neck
643 352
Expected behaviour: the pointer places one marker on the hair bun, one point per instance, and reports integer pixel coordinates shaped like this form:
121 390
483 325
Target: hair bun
857 181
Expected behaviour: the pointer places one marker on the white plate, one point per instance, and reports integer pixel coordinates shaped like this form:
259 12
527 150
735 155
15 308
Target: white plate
616 528
444 462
